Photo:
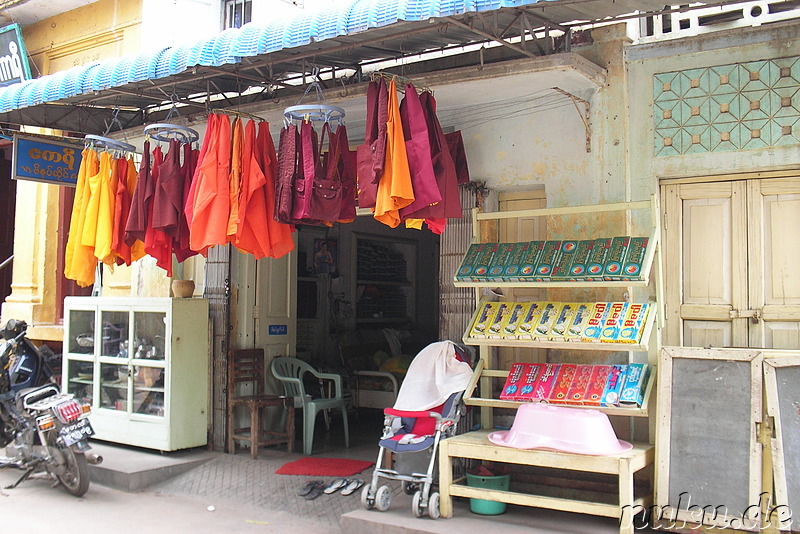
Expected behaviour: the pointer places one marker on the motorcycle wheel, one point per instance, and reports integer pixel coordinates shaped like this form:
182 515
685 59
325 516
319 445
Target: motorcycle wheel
73 470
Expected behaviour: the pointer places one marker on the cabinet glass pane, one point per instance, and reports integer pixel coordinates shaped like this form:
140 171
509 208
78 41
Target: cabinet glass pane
81 331
114 386
80 379
149 335
148 390
114 338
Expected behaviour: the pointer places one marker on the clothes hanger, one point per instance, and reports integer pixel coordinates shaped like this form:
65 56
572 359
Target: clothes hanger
166 131
401 81
319 112
105 142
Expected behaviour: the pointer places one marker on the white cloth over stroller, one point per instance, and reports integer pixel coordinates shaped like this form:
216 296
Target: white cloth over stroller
427 409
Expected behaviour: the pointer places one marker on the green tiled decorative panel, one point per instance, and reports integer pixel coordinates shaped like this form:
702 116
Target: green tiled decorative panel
728 107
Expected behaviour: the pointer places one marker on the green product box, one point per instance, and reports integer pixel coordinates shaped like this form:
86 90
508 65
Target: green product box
515 260
527 267
597 259
480 271
499 262
547 260
564 260
580 260
632 268
468 263
615 258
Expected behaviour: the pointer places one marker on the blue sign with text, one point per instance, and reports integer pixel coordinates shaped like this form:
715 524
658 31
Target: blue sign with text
43 160
278 329
14 66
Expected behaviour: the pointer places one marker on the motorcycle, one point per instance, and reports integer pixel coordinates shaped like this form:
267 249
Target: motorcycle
43 430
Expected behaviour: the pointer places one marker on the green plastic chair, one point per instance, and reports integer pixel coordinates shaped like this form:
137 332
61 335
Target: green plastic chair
290 371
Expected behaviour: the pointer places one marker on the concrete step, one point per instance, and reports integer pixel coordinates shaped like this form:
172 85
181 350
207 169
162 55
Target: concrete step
132 469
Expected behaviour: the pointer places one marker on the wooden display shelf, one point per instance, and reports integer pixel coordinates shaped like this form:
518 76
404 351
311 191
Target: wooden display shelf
476 445
482 372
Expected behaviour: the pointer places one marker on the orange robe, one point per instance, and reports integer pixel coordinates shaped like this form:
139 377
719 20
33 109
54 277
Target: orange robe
235 177
105 209
79 260
280 234
211 203
394 188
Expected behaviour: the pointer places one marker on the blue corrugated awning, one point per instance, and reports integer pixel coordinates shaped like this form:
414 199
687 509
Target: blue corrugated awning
329 31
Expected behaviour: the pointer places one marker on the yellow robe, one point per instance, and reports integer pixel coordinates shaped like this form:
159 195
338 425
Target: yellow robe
79 260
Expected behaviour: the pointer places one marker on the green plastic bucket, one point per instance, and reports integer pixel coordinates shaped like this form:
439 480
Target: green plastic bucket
482 506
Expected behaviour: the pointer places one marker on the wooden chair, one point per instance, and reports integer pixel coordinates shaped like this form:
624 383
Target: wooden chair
246 370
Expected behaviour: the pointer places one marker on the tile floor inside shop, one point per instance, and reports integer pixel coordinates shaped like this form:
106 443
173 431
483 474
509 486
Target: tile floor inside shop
242 479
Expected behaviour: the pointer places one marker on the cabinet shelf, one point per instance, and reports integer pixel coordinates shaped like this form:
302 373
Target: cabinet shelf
383 283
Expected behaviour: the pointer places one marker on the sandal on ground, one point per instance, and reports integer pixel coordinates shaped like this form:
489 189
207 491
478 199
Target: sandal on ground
310 485
336 485
352 486
316 491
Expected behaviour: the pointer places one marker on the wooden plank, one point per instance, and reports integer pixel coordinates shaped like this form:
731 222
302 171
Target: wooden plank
513 405
567 210
672 255
573 345
790 171
706 312
610 283
523 499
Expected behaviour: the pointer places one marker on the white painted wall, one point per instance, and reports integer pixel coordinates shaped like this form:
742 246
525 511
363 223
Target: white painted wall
170 23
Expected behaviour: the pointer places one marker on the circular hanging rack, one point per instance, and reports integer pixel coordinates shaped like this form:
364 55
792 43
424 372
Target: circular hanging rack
164 131
319 112
102 141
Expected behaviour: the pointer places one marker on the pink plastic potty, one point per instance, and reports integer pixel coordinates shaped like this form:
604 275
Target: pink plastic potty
544 426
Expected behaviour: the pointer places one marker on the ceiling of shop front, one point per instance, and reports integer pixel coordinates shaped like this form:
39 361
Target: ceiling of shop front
282 73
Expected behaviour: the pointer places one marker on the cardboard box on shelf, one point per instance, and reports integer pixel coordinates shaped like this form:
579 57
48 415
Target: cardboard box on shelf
597 385
635 384
566 374
615 258
616 380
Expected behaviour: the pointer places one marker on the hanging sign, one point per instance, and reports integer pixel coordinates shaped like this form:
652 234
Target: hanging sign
44 160
14 66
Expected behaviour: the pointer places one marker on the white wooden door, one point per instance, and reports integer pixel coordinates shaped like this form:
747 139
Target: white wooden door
275 318
731 263
512 231
774 215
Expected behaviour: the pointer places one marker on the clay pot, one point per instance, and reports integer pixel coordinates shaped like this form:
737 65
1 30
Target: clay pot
183 288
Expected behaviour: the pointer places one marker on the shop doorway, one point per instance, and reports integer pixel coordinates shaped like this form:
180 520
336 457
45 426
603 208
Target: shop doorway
732 262
8 198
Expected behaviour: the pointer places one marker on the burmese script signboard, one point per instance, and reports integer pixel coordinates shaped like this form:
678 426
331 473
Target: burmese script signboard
45 160
14 66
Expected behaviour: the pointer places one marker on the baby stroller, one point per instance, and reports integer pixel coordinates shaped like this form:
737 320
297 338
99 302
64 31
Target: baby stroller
428 408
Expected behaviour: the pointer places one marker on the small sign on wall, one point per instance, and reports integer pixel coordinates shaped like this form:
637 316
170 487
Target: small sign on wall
14 66
45 160
278 329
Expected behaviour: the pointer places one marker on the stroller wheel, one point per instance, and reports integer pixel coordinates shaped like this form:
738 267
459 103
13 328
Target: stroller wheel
409 488
367 500
416 505
433 506
383 498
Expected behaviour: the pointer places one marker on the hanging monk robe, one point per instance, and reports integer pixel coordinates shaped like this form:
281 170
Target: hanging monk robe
444 168
456 145
348 170
280 234
180 243
287 169
420 160
168 195
122 208
235 177
252 234
79 260
106 195
211 204
188 205
157 244
371 156
394 188
308 166
136 226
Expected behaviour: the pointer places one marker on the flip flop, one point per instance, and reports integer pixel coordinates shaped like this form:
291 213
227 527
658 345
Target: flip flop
310 485
316 491
336 485
352 486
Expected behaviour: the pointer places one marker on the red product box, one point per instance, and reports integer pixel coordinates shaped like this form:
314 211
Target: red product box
597 385
577 391
529 378
512 385
594 326
547 379
563 382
